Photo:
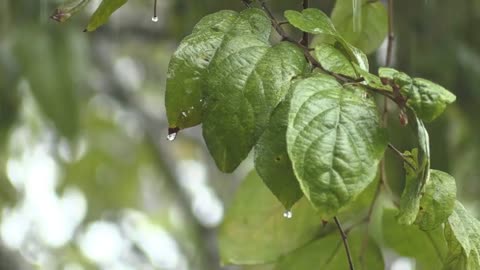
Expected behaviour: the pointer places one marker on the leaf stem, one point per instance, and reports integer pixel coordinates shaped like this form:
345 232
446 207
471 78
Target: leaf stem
345 243
401 155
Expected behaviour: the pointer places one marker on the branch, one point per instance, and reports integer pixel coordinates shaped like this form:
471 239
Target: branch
345 243
391 36
343 79
305 40
401 155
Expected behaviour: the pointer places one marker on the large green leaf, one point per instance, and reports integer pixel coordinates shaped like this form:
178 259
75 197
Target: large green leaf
334 60
334 141
412 193
254 230
427 248
189 64
328 253
259 267
246 81
417 170
426 98
438 200
316 22
51 75
103 13
373 26
311 20
462 232
272 161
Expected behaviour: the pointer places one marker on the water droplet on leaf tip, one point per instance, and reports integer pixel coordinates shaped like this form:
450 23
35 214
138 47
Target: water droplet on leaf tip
154 19
288 214
171 137
172 133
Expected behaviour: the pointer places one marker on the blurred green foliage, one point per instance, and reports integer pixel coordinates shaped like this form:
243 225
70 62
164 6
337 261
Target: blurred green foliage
65 69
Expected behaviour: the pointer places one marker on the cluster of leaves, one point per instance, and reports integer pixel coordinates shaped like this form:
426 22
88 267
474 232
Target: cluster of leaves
311 116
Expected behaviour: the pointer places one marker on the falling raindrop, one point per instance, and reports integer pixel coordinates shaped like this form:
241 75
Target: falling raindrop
154 19
288 214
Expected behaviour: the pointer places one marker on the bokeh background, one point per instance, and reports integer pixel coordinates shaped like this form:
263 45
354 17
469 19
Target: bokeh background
88 179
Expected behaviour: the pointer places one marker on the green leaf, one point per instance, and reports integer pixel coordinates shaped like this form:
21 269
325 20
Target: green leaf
438 201
373 80
462 232
410 199
334 60
259 267
311 20
335 142
66 10
314 21
329 253
426 98
271 158
417 175
189 64
373 26
254 230
246 81
103 13
427 248
50 75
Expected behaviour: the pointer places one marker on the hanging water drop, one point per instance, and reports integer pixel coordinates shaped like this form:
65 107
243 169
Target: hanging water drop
288 214
155 17
172 136
172 133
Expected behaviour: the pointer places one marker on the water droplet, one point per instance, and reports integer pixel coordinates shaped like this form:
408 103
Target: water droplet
154 19
288 214
172 133
172 136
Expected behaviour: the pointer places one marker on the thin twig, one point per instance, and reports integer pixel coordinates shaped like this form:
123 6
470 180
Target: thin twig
306 51
391 35
305 40
401 155
383 173
345 243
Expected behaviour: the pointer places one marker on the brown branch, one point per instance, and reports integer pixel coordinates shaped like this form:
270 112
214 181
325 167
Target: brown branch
401 155
306 38
343 79
391 36
345 243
